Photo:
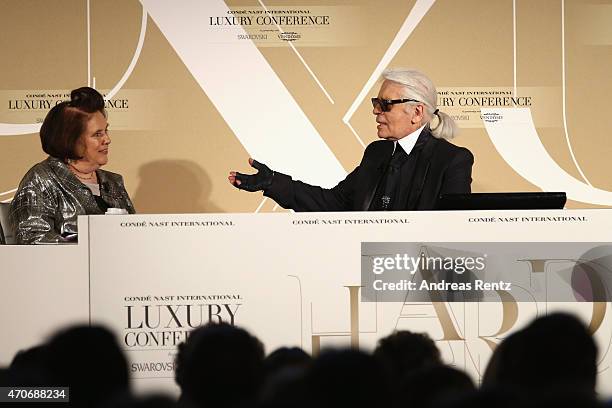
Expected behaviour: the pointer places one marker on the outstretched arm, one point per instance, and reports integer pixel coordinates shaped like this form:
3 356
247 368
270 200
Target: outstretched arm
289 193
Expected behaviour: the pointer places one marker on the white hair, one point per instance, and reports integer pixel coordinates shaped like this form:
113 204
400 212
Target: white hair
418 86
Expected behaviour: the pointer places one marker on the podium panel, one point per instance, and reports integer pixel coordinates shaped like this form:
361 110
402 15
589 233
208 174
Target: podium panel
295 279
42 288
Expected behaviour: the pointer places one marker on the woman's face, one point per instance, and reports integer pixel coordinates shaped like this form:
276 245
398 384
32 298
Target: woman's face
95 141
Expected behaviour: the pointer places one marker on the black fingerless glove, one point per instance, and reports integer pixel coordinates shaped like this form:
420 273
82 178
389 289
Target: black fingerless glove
255 182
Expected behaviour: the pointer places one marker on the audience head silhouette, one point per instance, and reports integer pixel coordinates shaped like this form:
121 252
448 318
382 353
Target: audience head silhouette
432 385
555 353
219 365
347 378
90 362
403 352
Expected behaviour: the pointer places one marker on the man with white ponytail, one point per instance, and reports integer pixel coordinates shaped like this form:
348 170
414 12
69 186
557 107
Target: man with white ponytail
408 170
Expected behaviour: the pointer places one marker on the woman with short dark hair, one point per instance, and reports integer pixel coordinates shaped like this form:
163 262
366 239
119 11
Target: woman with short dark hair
69 182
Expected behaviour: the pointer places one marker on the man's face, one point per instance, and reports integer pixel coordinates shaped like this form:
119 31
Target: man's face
400 120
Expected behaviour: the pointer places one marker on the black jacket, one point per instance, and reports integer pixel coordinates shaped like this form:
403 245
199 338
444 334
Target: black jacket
436 167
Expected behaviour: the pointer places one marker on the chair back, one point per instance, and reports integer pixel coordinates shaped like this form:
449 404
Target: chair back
6 234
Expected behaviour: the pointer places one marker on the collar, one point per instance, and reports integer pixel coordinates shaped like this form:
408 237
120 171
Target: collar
407 142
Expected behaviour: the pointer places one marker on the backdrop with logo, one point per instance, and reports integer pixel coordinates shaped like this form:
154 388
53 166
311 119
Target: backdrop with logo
194 90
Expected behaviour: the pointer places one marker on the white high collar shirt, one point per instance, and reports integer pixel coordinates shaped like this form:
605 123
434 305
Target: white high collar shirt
407 142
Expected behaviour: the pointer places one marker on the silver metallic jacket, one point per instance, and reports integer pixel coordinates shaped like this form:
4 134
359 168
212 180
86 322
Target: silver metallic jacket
50 198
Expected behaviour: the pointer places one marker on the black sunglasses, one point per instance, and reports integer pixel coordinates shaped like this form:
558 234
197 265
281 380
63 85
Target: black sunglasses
385 104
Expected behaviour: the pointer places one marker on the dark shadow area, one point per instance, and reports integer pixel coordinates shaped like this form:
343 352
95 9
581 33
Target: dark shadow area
552 362
173 186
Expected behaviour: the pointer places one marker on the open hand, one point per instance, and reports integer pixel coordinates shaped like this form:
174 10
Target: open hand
252 182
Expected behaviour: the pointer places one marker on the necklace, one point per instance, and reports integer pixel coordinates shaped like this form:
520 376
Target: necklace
77 171
85 178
